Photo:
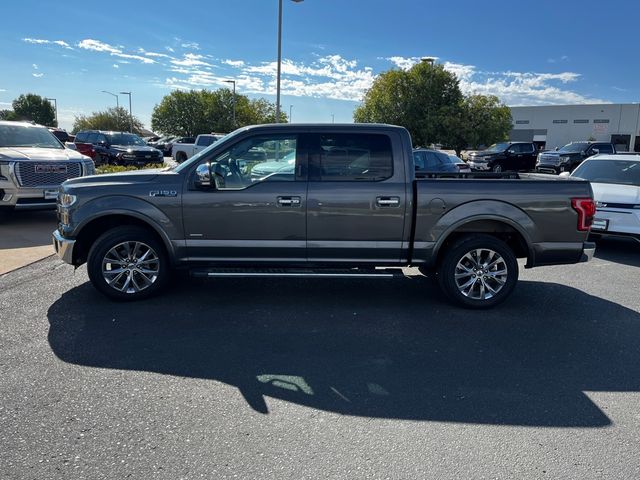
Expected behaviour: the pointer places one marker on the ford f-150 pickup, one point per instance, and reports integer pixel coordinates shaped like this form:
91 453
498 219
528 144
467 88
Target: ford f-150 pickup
347 202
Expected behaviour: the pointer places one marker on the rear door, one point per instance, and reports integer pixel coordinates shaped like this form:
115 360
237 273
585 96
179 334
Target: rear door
202 142
357 198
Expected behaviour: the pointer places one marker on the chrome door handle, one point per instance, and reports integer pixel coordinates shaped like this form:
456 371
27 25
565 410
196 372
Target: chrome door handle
388 201
289 201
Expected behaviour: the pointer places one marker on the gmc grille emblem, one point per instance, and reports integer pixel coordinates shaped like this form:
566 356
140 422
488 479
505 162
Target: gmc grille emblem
51 169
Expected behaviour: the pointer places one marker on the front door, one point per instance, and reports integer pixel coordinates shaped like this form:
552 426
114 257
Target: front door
357 201
257 212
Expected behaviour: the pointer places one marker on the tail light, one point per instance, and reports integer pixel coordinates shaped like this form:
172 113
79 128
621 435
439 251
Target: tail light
586 209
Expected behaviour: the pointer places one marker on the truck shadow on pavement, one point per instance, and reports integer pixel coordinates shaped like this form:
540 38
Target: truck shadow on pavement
616 250
383 349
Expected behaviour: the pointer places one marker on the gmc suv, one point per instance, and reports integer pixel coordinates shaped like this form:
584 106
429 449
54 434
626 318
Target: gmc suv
33 165
567 158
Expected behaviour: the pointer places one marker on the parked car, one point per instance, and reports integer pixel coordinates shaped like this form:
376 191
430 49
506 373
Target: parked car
168 146
164 144
429 160
615 180
33 165
353 202
117 148
567 158
502 157
182 151
60 134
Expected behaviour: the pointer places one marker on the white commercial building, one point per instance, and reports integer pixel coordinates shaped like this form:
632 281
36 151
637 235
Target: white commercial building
556 125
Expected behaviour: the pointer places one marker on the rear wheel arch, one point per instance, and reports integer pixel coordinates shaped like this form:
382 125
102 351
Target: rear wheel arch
502 228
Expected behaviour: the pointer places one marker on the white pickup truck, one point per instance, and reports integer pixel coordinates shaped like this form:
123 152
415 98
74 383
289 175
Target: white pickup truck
181 151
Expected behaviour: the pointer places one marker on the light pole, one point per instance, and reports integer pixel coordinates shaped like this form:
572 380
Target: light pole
114 95
290 109
234 100
280 58
55 105
130 114
333 118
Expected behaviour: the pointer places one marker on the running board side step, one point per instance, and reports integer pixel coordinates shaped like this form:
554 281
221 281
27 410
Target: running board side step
297 273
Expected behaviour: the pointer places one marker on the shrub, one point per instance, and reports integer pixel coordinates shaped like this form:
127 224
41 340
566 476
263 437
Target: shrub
121 168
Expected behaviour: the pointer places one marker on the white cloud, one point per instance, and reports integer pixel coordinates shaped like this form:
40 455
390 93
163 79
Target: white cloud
115 65
169 49
35 66
513 88
98 46
191 45
38 75
191 60
234 63
41 41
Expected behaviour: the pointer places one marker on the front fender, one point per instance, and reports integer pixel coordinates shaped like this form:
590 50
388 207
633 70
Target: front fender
132 207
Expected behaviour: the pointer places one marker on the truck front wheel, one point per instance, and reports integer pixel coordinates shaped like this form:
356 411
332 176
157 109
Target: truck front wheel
478 271
128 263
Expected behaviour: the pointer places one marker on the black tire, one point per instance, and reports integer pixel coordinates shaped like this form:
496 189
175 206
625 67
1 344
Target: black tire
486 277
116 237
497 168
181 157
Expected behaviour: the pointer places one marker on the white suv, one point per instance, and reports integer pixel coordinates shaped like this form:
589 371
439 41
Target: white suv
615 180
33 165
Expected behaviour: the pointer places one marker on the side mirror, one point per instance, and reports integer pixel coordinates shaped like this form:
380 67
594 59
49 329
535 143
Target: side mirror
203 177
565 174
556 149
102 143
595 151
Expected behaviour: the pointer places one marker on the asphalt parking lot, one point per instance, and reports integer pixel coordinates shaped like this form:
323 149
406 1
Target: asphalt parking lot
322 378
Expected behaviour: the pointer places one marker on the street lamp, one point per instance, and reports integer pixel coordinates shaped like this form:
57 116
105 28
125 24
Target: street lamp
333 118
290 108
280 57
234 100
55 105
130 114
114 95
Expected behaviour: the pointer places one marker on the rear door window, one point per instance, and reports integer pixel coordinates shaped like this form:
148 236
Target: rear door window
349 157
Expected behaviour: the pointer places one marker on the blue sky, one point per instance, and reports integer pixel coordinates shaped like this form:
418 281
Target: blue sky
527 53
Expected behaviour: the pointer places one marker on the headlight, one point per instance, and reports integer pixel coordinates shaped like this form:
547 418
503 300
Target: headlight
66 199
89 167
565 159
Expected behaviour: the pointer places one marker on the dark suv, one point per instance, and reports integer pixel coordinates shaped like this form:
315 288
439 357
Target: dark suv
500 157
117 148
567 158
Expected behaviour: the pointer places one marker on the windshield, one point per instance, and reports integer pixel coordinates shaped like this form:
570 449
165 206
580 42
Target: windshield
124 139
497 147
26 136
573 147
619 172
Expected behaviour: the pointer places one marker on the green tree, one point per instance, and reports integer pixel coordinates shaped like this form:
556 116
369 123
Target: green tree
205 111
7 115
418 99
116 119
427 100
34 108
478 120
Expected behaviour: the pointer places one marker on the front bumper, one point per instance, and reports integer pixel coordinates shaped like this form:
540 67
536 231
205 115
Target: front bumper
478 166
25 198
63 247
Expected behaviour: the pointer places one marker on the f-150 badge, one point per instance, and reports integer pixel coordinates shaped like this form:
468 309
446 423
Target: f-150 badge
163 193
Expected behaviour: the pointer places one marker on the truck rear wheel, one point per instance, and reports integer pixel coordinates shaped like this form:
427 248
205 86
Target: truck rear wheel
181 157
478 271
128 263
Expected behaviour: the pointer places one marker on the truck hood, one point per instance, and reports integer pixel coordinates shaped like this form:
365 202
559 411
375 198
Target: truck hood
121 178
613 193
133 148
40 154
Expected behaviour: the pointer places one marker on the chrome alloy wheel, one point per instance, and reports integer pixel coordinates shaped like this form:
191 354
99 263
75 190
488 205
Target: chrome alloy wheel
130 267
480 274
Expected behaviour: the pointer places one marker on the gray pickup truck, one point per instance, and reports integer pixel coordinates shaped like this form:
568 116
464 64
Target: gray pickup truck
345 203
